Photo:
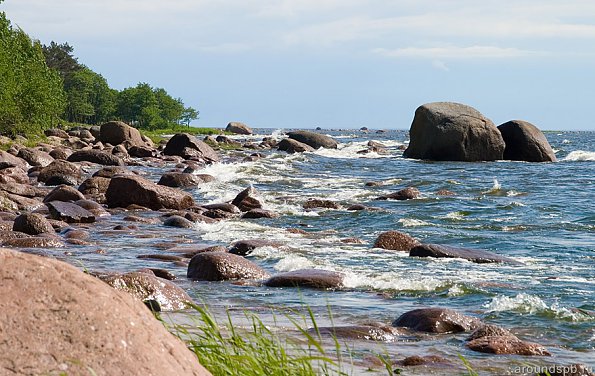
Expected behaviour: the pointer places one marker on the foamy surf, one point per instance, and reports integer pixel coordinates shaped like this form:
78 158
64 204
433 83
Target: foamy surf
580 156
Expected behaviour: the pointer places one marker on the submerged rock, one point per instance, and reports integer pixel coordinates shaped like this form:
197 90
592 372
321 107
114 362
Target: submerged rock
396 241
222 266
245 247
380 333
408 193
313 278
436 320
318 203
474 255
446 131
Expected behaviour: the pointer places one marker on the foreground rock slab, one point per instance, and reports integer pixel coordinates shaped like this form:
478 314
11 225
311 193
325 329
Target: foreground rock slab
474 255
57 320
446 131
127 190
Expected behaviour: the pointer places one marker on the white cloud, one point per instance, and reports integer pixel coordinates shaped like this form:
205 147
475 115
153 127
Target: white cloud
453 52
440 65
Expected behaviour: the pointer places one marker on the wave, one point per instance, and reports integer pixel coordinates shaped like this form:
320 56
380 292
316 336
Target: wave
580 155
531 304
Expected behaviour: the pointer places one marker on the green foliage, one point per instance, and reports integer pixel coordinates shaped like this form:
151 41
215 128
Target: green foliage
31 95
225 349
159 134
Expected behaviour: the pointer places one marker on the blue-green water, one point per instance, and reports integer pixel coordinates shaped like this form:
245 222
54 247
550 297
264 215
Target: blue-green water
540 214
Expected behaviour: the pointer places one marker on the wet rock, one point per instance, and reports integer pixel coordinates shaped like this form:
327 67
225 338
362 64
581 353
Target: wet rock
117 132
92 206
245 247
525 142
357 207
32 224
446 131
161 273
318 203
136 218
245 200
396 241
259 213
141 152
228 141
238 128
9 234
24 203
69 212
78 234
187 146
436 320
33 242
506 345
119 151
14 175
445 192
488 330
126 190
190 251
144 286
65 315
221 266
60 172
25 190
178 221
417 360
179 180
313 278
94 186
230 208
366 332
95 156
352 241
474 255
35 157
293 146
159 257
64 193
408 193
315 140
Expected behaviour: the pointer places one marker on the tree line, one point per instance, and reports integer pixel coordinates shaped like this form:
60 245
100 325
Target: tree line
42 86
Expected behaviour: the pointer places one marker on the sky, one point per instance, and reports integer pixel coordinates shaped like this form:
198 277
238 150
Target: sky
337 63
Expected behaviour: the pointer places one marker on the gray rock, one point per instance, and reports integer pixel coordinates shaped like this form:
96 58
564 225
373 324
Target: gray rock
188 146
222 266
238 128
129 189
436 320
69 212
293 146
32 224
95 156
524 142
474 255
315 140
313 278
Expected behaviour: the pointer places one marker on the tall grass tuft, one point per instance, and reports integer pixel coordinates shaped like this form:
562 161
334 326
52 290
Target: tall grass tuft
228 349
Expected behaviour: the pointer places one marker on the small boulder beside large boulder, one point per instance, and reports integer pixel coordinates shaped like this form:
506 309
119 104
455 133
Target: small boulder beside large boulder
223 266
125 190
117 132
188 146
446 131
315 140
437 320
238 128
525 142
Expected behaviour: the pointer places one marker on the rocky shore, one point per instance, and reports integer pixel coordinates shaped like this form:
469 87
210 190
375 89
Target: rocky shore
61 194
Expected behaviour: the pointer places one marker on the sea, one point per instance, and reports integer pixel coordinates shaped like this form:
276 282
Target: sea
541 214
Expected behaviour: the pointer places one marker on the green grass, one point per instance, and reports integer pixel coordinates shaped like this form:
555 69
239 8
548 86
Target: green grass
158 134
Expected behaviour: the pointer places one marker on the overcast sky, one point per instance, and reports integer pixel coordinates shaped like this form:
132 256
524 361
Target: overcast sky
337 63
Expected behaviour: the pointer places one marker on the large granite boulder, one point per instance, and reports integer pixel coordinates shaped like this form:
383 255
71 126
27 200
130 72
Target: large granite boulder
492 339
293 146
238 128
60 172
436 320
9 160
525 142
129 189
223 266
446 131
315 140
396 241
35 157
64 193
95 156
313 278
245 200
32 224
117 132
180 180
145 286
188 146
56 319
444 251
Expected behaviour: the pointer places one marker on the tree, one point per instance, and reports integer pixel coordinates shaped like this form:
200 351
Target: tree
31 94
60 57
188 115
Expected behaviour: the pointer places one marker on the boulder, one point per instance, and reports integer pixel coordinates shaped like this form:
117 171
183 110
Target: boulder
178 221
95 156
69 212
245 200
416 360
380 333
32 224
238 128
117 132
224 207
313 278
315 140
60 153
318 203
259 213
55 132
146 286
33 242
245 247
474 255
9 160
222 266
188 146
35 157
129 189
111 171
24 203
58 320
179 180
408 193
396 241
436 320
94 186
25 190
141 151
93 207
506 344
293 146
14 175
60 172
63 193
446 131
525 142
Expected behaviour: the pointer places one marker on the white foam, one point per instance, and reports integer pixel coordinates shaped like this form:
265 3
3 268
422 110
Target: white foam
565 141
293 262
496 187
392 281
350 151
531 304
410 222
455 216
580 155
